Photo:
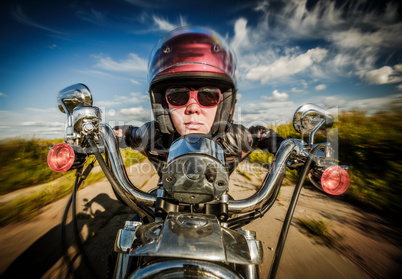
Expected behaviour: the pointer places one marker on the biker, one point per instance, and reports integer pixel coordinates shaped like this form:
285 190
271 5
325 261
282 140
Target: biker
193 86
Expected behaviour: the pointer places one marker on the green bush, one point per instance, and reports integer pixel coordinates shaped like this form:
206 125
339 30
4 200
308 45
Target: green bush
23 163
370 146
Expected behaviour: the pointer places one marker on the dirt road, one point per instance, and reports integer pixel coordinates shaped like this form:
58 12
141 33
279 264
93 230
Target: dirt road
363 245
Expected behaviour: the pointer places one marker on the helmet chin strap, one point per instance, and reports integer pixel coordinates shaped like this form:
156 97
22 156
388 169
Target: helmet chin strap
224 113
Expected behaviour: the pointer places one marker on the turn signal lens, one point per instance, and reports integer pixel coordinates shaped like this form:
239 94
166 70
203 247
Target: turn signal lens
335 180
61 157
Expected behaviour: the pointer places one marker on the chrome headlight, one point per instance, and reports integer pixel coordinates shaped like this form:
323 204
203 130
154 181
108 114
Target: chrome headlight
196 170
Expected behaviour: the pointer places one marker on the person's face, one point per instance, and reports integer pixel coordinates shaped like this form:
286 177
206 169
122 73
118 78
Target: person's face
192 118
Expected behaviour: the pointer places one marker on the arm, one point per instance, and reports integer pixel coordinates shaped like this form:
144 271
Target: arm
265 139
134 137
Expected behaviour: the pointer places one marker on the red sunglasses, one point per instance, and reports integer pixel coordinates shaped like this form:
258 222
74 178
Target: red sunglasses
206 97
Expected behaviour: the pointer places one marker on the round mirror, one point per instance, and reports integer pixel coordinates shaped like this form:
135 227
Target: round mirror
309 116
74 96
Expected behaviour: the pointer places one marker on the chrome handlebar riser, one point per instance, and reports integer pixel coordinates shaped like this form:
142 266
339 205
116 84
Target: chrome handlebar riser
119 171
276 173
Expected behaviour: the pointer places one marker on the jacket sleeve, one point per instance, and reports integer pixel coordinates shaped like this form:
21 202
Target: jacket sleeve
265 139
134 137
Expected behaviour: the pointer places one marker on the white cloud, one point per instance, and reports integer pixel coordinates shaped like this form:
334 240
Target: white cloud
295 90
133 111
2 95
356 36
276 97
333 101
131 64
134 97
264 113
15 124
165 25
94 17
43 124
320 87
286 66
107 104
384 75
122 100
370 105
399 87
22 18
98 74
240 39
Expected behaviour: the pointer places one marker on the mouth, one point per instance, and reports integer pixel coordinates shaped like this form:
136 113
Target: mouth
193 125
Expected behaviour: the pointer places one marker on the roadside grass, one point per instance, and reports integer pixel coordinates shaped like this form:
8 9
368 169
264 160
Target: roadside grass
26 207
244 173
318 229
24 165
265 159
370 146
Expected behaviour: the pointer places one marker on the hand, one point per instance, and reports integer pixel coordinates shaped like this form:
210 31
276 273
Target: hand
118 133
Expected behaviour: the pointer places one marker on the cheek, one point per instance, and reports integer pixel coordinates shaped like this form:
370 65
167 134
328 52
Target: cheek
210 115
177 118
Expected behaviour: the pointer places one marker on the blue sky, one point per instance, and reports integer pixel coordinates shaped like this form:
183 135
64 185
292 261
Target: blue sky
339 54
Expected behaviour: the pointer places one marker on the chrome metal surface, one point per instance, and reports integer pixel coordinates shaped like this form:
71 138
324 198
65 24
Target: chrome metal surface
192 221
122 265
185 269
74 96
192 236
275 174
125 237
254 245
307 117
119 170
312 133
69 98
196 144
86 117
195 178
178 240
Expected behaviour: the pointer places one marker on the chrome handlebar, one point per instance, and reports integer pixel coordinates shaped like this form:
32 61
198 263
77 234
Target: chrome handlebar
271 182
272 179
119 171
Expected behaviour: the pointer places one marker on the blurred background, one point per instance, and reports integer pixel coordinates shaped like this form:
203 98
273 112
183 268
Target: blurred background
343 55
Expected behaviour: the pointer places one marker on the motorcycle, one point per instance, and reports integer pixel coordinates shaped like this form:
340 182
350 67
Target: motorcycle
189 226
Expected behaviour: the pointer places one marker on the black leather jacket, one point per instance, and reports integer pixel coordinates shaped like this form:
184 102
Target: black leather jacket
238 142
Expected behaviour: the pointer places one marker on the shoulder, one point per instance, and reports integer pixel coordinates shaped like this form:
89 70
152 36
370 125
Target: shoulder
237 137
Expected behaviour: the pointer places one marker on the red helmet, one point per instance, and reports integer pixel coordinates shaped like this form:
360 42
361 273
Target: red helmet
192 56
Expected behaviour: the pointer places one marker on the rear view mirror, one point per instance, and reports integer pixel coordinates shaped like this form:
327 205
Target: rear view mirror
70 98
74 96
309 118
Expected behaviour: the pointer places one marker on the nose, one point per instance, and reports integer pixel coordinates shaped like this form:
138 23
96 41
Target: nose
193 107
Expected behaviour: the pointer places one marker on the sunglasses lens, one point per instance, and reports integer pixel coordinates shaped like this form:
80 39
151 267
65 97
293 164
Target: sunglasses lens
178 96
209 96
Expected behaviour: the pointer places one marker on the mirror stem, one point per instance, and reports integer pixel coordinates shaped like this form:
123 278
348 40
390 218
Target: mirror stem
311 139
69 136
